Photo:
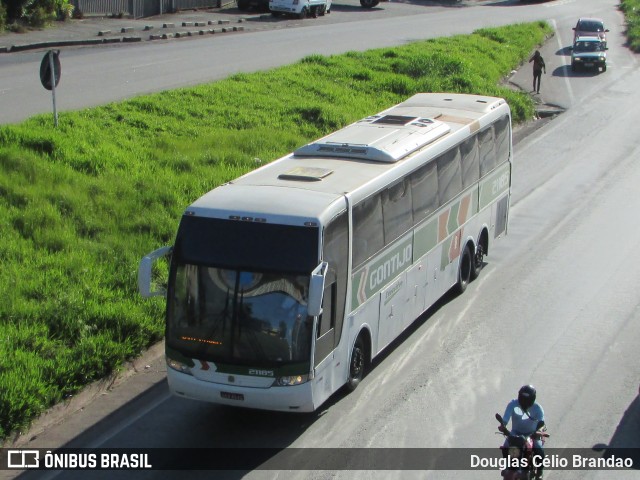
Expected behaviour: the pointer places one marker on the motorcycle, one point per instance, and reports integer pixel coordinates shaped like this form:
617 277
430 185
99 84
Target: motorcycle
518 451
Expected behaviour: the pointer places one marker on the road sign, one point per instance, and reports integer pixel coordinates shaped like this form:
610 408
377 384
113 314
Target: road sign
46 76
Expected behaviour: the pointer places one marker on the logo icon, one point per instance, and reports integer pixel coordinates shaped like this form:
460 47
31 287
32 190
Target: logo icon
23 459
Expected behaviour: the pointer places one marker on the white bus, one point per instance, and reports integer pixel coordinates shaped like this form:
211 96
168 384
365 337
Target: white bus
285 283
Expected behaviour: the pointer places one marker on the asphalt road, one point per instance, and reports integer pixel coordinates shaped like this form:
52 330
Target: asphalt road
94 76
557 306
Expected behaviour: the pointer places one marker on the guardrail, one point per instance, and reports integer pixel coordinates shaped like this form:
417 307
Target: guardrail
141 8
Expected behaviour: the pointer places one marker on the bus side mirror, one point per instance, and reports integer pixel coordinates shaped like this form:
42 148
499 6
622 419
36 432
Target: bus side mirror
316 289
145 272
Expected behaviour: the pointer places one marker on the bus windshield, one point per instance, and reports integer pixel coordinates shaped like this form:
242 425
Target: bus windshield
239 317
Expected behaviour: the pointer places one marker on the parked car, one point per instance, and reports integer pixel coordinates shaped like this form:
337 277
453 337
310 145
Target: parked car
300 8
589 52
590 27
260 5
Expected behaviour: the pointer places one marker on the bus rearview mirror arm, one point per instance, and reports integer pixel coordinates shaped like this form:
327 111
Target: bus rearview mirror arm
316 289
145 272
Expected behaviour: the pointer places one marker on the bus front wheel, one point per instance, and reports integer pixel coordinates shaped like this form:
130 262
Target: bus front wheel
357 364
464 270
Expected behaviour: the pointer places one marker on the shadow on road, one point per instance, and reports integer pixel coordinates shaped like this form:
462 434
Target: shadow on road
625 442
566 71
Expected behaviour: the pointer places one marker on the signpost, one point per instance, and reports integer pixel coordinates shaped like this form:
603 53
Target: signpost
50 72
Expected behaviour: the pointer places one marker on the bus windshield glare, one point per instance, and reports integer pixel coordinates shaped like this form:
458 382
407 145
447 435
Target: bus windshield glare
239 317
238 292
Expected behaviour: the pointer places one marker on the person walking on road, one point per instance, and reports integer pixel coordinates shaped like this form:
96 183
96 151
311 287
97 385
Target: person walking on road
538 68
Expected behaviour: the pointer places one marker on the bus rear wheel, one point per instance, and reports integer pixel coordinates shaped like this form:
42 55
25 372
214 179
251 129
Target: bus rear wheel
357 364
478 262
464 270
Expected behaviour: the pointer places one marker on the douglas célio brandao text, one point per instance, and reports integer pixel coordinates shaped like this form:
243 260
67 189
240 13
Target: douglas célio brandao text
574 461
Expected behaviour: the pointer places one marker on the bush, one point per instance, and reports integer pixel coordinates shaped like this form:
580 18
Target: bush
3 17
631 9
64 10
34 13
39 17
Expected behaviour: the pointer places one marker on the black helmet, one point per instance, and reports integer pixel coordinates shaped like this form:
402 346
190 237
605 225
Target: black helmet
527 396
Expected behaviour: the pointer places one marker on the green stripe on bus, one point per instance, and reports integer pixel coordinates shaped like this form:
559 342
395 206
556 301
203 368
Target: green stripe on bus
426 239
495 185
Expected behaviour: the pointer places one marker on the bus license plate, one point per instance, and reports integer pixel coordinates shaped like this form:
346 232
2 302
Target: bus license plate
232 396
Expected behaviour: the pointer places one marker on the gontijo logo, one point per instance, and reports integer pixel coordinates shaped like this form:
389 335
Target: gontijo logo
379 272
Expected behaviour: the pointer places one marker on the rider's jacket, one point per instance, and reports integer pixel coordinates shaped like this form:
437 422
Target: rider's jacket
522 423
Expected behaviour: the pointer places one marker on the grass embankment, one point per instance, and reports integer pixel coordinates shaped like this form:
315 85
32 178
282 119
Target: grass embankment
631 9
82 203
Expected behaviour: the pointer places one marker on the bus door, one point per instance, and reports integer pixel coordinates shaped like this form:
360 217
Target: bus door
330 323
393 309
416 290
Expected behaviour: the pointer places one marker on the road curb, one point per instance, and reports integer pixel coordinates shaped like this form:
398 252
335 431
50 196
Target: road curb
103 36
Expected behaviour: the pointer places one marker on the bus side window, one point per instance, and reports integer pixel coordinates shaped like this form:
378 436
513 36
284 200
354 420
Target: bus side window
502 139
328 317
449 175
487 151
470 162
368 233
424 191
396 210
325 336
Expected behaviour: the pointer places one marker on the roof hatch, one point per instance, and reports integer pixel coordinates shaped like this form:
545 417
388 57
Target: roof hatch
379 138
305 174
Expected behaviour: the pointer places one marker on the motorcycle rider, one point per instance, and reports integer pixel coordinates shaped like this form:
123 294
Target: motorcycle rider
526 419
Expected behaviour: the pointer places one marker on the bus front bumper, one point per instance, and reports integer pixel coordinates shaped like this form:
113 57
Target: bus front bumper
297 398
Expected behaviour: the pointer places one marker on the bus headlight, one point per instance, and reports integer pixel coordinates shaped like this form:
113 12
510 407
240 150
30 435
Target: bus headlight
292 380
179 366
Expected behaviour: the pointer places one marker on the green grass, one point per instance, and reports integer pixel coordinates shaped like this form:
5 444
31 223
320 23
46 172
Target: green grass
631 9
81 204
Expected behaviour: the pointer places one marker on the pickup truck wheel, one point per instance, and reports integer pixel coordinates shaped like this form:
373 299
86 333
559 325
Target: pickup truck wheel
303 13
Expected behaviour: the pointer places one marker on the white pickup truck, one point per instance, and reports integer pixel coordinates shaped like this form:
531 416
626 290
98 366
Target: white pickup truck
300 8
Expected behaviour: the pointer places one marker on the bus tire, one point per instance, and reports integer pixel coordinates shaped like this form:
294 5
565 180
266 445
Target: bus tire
464 269
357 364
478 261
